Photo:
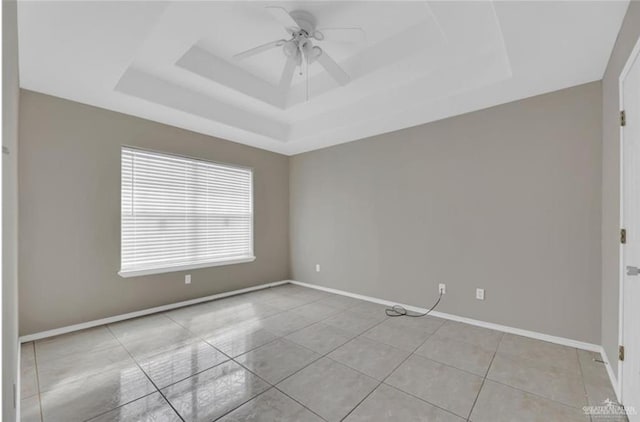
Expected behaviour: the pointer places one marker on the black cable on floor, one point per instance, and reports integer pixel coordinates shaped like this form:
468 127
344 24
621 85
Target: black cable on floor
397 310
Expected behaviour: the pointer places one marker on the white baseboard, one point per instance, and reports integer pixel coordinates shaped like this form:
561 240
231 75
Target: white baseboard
504 328
526 333
163 308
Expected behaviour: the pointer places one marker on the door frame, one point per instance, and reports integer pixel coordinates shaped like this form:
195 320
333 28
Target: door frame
635 53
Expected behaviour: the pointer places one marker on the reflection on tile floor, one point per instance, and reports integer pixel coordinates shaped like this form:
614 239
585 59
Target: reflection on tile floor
290 353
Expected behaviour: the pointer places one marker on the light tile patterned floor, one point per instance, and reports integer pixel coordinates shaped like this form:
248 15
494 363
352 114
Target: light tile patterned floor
290 353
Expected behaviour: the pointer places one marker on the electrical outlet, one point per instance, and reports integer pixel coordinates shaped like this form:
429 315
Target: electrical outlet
442 288
317 268
187 279
480 294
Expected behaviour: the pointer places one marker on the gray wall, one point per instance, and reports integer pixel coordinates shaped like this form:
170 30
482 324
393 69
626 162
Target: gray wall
69 186
506 199
627 38
10 100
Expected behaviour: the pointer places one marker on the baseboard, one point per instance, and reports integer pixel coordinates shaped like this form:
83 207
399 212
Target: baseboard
612 377
122 317
504 328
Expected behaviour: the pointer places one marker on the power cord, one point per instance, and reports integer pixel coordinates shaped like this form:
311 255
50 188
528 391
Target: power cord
397 310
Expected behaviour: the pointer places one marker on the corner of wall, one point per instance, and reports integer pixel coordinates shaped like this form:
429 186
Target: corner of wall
10 100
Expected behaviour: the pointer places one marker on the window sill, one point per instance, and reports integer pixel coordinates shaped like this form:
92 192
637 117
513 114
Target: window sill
137 273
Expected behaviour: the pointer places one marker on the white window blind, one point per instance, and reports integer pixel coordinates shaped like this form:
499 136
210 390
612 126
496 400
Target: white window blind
181 213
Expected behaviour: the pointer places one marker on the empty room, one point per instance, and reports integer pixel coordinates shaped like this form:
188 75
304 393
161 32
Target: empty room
320 211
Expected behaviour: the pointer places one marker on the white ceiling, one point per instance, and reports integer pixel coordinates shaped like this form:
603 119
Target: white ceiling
421 61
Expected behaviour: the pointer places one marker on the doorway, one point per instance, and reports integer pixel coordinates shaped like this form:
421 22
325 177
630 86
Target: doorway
629 371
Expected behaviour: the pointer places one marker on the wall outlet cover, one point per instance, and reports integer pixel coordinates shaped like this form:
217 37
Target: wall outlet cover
187 279
480 294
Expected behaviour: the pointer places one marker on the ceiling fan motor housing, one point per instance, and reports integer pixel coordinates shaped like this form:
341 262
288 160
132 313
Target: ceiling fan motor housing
301 37
299 49
305 20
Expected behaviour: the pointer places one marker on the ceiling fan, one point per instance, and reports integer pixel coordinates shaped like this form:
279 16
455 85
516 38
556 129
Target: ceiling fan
299 48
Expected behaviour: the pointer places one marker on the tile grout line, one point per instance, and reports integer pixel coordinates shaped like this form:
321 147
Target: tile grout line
374 388
318 358
118 407
271 386
301 404
468 418
35 364
279 337
101 371
411 353
244 402
484 379
381 382
423 357
266 382
230 359
204 338
584 384
196 338
495 353
199 337
424 401
232 409
533 394
147 376
280 311
525 391
325 354
435 361
339 311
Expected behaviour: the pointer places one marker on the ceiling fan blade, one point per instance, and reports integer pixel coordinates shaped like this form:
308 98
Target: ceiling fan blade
281 15
333 68
344 35
259 49
287 73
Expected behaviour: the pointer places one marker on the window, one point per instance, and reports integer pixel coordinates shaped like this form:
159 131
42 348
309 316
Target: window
180 213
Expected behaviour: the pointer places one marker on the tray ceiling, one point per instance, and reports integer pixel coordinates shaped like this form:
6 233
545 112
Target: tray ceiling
173 62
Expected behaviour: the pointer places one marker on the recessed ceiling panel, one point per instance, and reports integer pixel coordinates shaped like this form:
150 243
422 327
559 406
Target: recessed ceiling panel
417 62
148 87
207 65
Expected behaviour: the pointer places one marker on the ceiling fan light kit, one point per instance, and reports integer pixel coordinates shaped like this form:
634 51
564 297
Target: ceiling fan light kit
299 48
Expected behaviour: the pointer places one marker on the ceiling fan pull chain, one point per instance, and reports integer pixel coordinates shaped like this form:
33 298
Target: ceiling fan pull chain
302 57
307 70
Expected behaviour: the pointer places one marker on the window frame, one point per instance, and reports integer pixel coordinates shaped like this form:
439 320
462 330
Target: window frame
176 268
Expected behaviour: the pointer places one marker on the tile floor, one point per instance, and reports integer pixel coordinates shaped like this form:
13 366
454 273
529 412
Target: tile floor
290 353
